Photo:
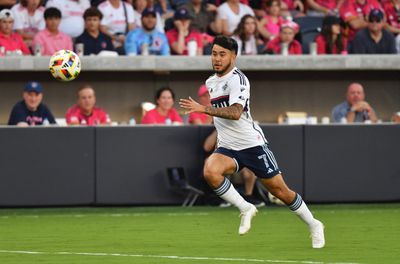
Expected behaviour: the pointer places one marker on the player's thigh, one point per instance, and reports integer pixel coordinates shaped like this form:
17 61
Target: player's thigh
219 164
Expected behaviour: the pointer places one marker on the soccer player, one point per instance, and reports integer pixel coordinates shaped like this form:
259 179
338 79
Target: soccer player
241 142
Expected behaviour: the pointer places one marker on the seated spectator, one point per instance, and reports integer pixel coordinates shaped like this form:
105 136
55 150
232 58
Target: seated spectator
147 40
118 20
355 14
164 113
12 42
196 118
355 108
182 33
286 36
322 8
92 39
396 118
140 6
272 20
29 19
31 111
229 15
51 39
72 11
374 39
392 13
331 40
246 35
85 112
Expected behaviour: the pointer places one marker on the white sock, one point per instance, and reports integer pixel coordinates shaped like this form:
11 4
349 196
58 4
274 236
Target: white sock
299 207
227 192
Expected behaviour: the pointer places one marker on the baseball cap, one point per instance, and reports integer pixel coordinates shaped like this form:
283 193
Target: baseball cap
33 87
182 13
202 90
375 15
6 13
149 11
292 25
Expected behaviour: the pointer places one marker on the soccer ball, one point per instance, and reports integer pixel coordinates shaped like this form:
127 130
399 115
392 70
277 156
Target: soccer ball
65 65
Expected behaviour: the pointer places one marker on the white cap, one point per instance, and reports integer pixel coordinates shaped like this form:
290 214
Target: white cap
6 13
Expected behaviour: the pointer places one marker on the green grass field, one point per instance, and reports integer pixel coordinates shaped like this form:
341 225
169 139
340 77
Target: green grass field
175 235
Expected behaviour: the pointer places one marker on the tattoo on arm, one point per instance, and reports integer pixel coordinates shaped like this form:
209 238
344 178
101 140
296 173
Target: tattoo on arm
232 112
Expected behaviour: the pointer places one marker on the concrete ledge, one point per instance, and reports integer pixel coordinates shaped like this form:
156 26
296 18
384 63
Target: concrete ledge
201 63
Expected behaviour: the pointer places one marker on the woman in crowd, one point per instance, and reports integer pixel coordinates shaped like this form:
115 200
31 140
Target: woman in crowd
273 20
331 40
246 35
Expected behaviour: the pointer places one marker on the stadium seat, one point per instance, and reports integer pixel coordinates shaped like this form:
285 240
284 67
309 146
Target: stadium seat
179 183
310 27
306 37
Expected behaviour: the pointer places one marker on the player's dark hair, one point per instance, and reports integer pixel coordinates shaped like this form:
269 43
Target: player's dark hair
161 90
226 43
92 12
52 12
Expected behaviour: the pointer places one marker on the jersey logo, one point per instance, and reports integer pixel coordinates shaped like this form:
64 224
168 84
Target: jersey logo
225 86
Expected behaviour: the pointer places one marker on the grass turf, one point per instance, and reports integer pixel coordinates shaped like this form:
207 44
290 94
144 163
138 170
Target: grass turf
367 233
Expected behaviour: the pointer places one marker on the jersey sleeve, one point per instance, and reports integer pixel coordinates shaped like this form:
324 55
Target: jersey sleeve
239 89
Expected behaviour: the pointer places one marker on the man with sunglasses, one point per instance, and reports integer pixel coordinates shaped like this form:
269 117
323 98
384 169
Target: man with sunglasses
374 39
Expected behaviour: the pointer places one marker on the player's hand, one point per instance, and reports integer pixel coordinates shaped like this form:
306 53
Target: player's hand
191 105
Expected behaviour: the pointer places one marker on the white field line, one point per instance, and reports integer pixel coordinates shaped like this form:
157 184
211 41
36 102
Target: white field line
169 257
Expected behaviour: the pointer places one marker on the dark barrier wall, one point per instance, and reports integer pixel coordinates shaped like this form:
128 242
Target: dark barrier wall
352 163
46 166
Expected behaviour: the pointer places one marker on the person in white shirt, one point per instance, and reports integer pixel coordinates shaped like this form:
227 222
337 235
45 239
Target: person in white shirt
72 22
247 37
229 15
118 20
28 19
241 142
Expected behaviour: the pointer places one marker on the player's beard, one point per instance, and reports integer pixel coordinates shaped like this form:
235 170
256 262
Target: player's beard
223 71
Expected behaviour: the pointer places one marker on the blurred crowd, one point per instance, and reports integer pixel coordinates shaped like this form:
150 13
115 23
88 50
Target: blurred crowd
187 27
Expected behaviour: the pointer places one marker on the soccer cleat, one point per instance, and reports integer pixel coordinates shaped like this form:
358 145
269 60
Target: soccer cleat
245 219
317 234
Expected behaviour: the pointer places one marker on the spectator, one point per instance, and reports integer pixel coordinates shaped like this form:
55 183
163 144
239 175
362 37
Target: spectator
31 111
203 16
29 19
324 7
164 113
246 35
51 39
292 8
355 13
118 20
355 108
72 11
201 118
147 40
396 118
7 4
392 12
92 39
272 21
248 177
331 40
140 6
85 112
12 42
182 33
374 39
229 15
286 36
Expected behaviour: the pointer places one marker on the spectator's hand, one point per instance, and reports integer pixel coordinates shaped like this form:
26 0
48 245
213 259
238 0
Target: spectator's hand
361 106
191 106
211 8
298 5
179 25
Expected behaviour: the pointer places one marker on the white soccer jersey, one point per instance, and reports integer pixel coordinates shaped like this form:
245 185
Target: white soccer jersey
114 18
72 22
25 22
234 88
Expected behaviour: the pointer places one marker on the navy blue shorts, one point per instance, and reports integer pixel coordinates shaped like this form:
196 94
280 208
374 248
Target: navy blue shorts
259 160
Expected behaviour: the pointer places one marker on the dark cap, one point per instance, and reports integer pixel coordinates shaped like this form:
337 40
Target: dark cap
149 11
331 20
182 14
33 87
375 15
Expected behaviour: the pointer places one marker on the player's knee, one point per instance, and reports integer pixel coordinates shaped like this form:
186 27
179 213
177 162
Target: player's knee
211 172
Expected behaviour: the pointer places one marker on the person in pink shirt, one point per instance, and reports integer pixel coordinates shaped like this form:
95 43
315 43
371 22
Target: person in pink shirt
164 113
288 30
201 118
182 33
85 112
11 42
273 20
51 39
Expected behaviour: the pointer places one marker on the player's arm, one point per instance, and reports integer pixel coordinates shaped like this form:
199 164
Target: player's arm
232 112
